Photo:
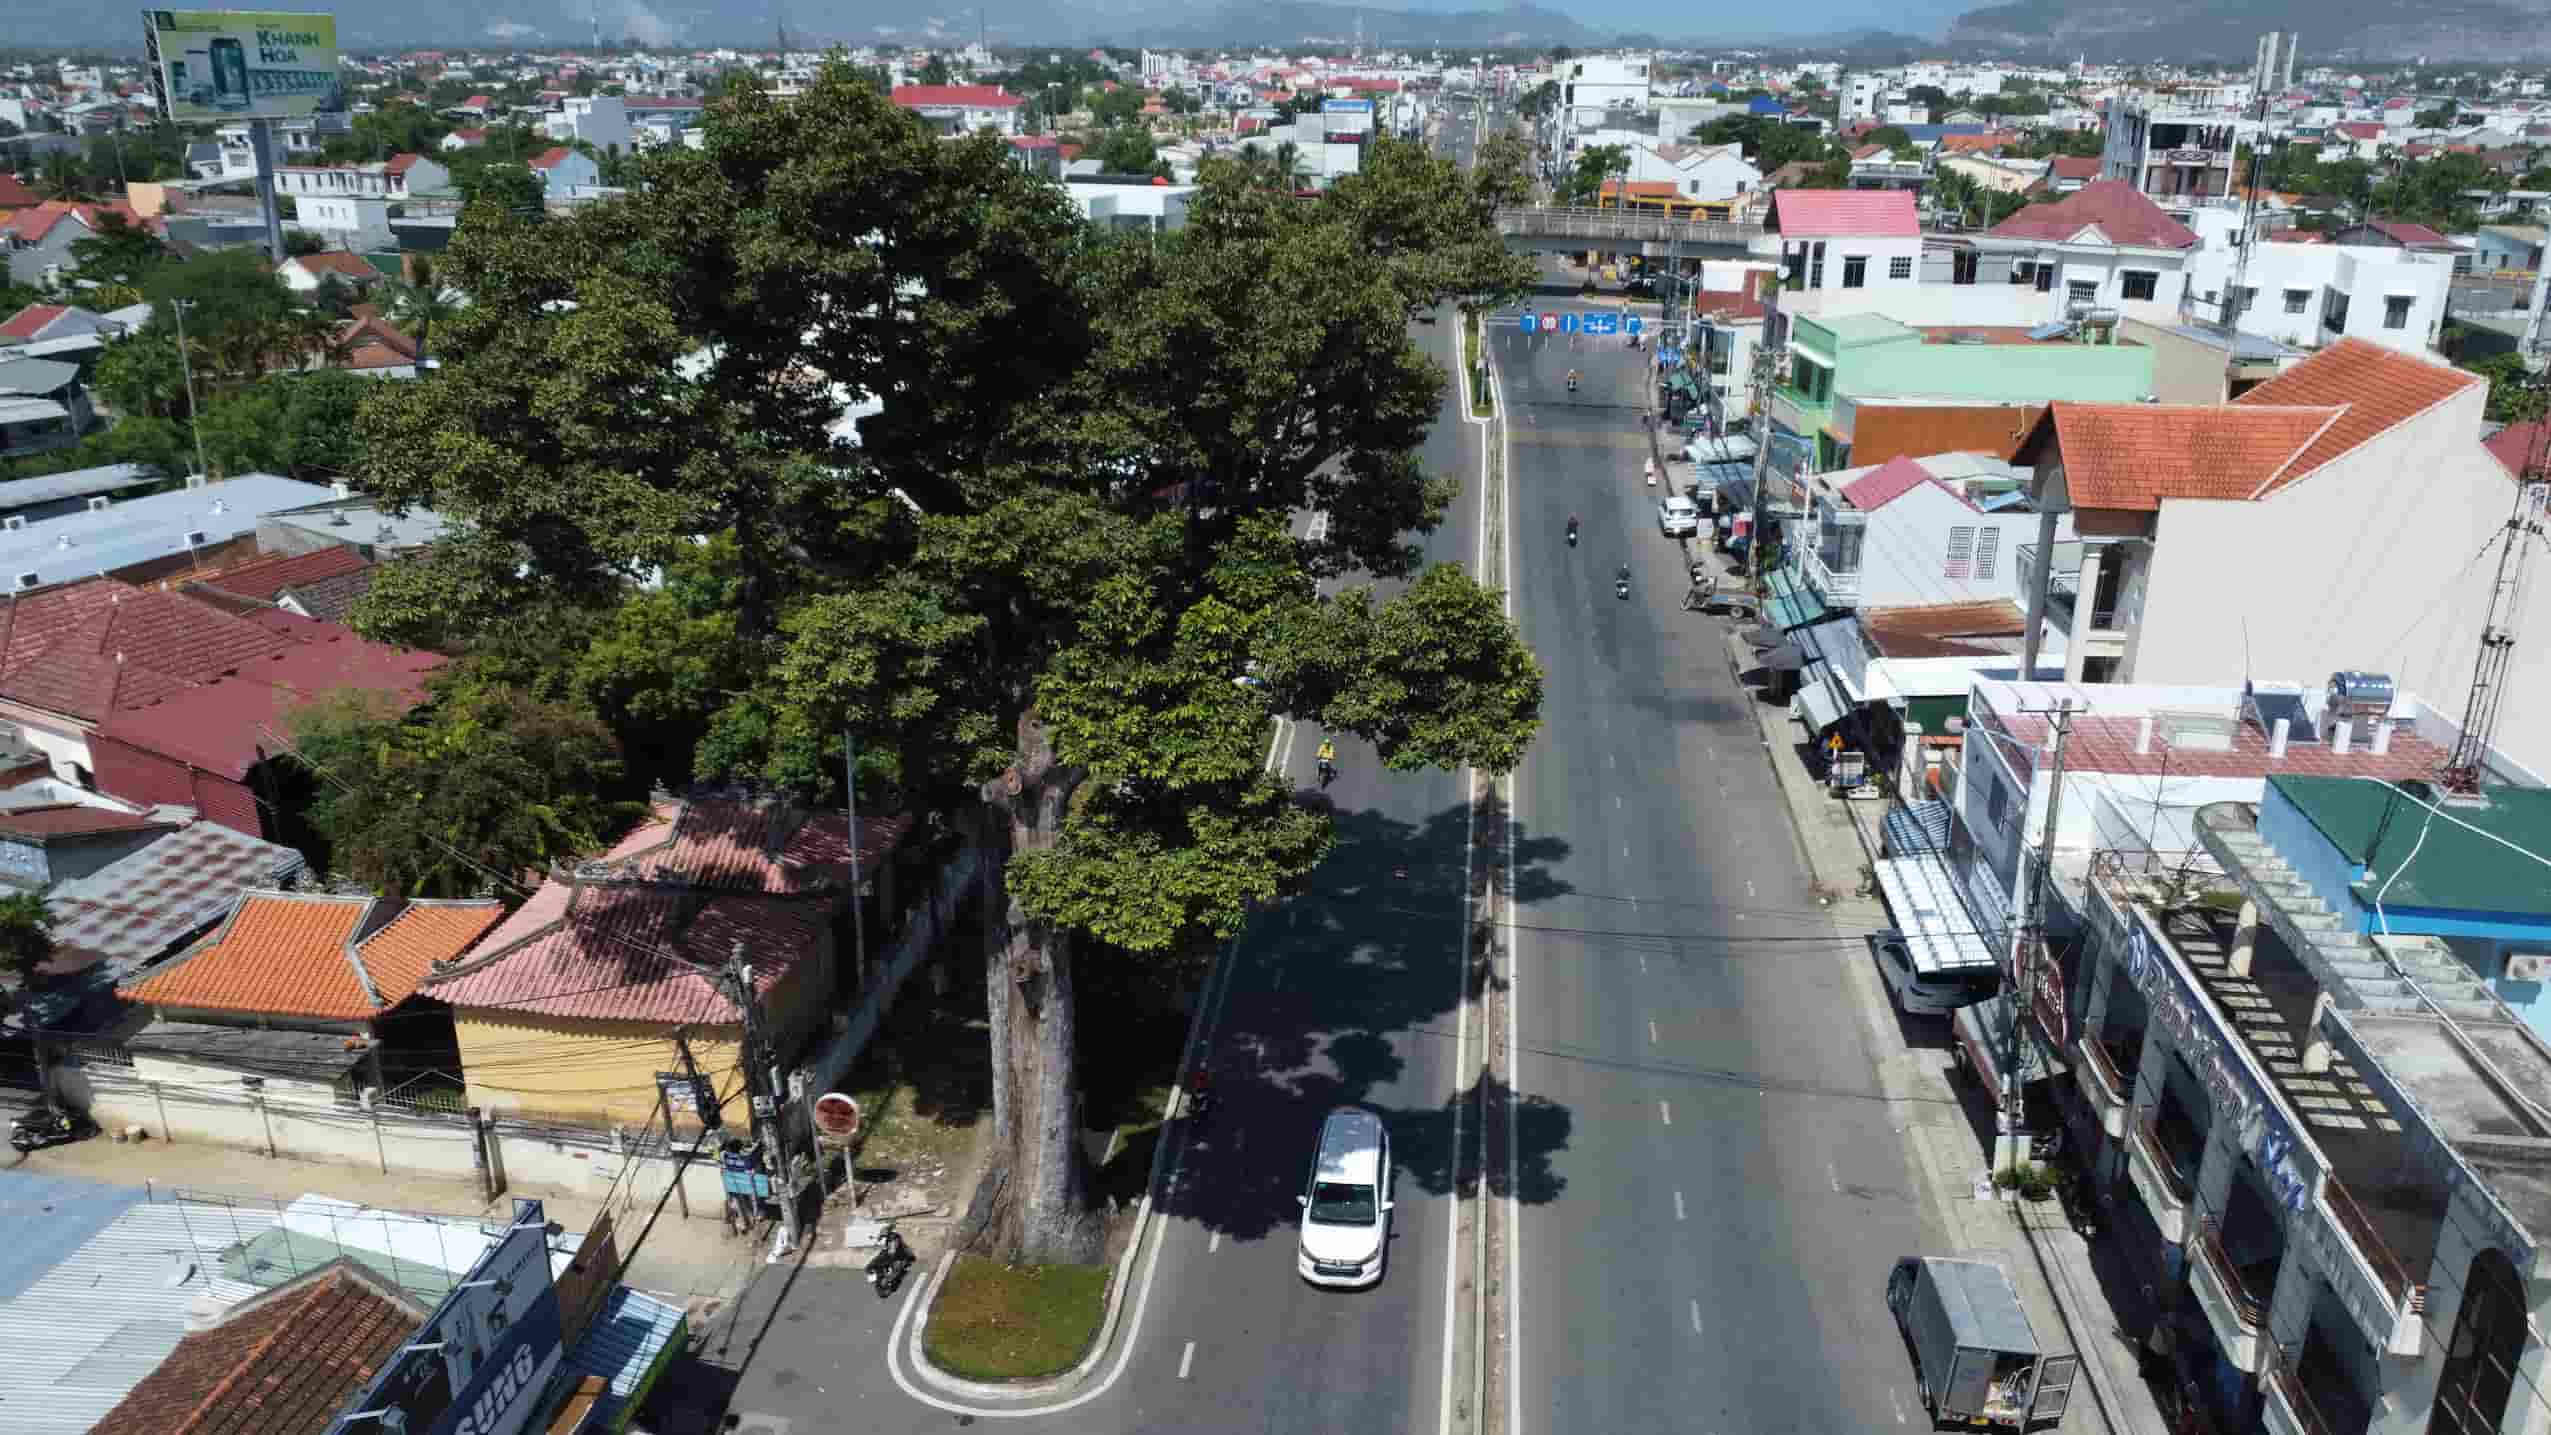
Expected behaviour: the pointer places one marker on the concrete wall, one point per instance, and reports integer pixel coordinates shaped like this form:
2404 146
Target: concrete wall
2367 564
583 1071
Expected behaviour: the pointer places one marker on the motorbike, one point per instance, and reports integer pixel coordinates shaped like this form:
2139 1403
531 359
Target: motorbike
1328 772
894 1260
49 1126
1621 584
1199 1095
1572 535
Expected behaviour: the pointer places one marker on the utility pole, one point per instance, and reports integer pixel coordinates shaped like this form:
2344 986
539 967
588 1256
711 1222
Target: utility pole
186 366
763 1093
2027 934
1759 409
858 898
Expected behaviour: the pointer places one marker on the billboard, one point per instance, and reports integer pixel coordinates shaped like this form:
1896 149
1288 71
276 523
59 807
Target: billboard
484 1361
213 65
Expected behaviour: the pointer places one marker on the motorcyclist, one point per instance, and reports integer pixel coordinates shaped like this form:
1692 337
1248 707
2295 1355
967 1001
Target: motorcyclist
1572 381
1621 579
1572 530
1328 760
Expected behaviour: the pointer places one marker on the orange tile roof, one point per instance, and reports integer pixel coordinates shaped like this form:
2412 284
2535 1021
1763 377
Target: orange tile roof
2380 388
300 955
2132 456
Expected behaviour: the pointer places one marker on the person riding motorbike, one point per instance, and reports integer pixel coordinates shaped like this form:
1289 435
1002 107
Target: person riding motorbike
1572 381
1572 530
1621 581
1328 762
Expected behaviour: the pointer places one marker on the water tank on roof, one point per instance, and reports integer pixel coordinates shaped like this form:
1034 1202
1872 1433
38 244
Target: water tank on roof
2354 695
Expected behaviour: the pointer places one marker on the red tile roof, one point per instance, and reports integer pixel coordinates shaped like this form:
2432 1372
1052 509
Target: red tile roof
749 846
336 261
265 577
2513 446
283 1362
2076 166
30 226
1886 483
223 726
2381 388
400 163
2361 130
2408 236
2132 456
635 952
973 97
2117 208
30 321
1844 213
316 957
550 158
14 193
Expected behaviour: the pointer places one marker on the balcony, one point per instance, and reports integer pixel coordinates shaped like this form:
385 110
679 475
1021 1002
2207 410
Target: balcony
2369 1280
2102 1085
2288 1408
2165 1188
2225 1292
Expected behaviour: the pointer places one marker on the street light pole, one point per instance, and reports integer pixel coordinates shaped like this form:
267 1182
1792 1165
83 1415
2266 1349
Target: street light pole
186 366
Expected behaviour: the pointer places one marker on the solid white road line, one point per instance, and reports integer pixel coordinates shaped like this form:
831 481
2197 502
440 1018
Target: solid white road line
1678 1205
1186 1358
1696 1317
1665 1111
1651 1033
1214 1244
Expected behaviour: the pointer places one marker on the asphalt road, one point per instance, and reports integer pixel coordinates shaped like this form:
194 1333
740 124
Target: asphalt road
1707 1250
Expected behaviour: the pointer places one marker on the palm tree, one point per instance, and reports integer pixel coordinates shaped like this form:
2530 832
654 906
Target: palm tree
422 303
1287 165
61 175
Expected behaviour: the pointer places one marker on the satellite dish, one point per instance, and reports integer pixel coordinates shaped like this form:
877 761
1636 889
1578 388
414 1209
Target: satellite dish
836 1116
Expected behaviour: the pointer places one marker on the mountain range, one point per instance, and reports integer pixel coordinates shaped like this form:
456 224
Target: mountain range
2441 30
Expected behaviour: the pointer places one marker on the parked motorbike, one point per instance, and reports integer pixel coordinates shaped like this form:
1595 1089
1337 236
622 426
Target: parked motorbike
893 1261
49 1126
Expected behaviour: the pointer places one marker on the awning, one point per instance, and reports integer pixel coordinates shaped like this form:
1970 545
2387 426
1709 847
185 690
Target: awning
1984 1032
1922 827
1764 635
1785 659
1814 705
1791 602
633 1338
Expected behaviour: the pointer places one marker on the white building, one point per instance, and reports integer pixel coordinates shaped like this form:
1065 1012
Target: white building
346 221
1836 241
2311 295
600 120
962 109
1862 95
2179 156
398 177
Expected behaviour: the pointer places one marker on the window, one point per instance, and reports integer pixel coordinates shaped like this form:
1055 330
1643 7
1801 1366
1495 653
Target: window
1962 266
2396 311
2140 284
1900 267
1961 551
2022 271
2298 301
2045 278
2333 310
1855 271
2081 291
1816 265
1988 546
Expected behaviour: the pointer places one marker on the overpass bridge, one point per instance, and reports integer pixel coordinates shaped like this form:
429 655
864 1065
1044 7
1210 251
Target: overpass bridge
1549 229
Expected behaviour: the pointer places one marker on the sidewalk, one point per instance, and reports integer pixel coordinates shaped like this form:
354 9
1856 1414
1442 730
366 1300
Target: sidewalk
2051 1263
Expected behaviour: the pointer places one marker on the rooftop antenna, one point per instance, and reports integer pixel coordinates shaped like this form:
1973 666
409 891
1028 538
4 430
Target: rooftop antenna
2470 757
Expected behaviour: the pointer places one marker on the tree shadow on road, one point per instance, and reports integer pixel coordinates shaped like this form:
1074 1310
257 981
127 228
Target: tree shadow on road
1332 997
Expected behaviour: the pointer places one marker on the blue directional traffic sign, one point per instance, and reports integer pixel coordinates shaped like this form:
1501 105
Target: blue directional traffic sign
1569 323
1603 323
1529 321
1637 323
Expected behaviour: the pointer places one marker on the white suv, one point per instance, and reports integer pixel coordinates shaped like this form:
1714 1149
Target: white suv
1346 1211
1678 517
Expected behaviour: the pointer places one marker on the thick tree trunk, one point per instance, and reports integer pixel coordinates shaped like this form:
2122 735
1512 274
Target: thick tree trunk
1032 1204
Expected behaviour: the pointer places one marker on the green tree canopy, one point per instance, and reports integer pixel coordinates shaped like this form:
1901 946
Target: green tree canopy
1029 586
1129 149
2515 394
26 936
1118 106
481 779
118 252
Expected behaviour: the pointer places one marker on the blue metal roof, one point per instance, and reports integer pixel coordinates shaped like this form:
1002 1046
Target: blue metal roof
85 544
630 1340
1922 827
47 1218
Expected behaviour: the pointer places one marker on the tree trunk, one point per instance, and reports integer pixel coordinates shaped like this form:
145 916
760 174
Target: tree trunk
1032 1205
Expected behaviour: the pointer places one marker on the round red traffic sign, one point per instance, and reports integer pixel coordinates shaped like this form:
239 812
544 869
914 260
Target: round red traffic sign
837 1116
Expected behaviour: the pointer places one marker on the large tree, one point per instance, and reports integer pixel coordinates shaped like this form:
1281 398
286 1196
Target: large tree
1028 585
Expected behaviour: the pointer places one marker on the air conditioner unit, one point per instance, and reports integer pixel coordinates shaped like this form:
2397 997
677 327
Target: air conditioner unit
99 502
27 580
196 539
2528 966
16 521
194 480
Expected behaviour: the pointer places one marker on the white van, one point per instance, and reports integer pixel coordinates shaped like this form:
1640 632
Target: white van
1346 1209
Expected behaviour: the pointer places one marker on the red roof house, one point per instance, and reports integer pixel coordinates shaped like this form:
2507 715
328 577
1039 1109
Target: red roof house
312 957
282 1362
14 193
1844 213
2106 211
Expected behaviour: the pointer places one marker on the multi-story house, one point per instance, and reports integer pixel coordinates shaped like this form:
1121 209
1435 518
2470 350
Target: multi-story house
2331 517
1842 242
599 120
2308 295
401 177
2179 156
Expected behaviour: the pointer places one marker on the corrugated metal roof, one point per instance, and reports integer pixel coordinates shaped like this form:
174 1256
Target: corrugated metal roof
627 1339
81 545
82 1334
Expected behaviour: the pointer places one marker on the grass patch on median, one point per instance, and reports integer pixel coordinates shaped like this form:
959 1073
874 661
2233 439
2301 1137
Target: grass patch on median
1482 403
997 1322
